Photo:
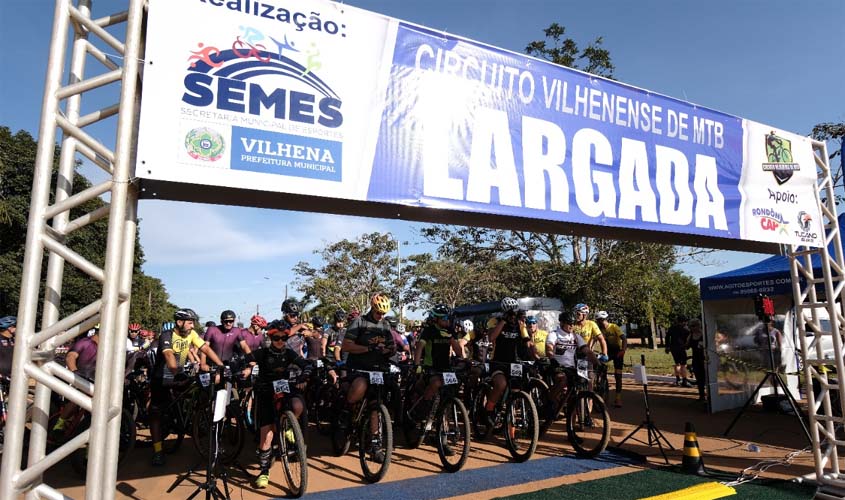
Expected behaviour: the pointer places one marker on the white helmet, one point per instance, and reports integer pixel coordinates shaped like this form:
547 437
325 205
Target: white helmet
400 328
602 315
509 304
468 326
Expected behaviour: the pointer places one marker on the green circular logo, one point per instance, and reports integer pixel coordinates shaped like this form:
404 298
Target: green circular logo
204 144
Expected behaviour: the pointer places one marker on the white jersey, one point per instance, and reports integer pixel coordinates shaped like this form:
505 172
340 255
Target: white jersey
564 346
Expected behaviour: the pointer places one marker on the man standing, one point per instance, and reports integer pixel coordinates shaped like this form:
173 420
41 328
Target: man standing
8 326
676 343
617 344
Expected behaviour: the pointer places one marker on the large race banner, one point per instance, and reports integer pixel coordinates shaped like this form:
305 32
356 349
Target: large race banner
320 98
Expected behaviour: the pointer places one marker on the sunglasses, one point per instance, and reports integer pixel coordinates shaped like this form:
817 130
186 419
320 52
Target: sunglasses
228 321
277 338
134 331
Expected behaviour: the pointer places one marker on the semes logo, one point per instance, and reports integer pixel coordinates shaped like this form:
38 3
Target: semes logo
770 220
783 197
779 154
204 144
221 78
804 221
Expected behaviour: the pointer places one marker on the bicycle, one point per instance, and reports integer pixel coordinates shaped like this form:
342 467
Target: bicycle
587 420
374 446
232 428
601 386
321 394
447 418
515 413
288 437
177 417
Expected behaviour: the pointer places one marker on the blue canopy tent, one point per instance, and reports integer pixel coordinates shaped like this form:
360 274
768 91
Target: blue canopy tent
730 326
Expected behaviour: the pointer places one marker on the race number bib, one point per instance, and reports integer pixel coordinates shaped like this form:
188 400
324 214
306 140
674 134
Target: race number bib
255 371
319 363
281 386
516 369
450 378
205 379
583 369
395 369
376 378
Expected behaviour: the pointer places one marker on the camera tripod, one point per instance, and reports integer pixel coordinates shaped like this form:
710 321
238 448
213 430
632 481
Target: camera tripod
654 434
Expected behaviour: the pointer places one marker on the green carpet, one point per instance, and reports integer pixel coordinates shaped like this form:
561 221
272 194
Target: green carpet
652 482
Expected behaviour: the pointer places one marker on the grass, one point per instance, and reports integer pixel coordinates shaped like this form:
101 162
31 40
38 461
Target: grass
657 361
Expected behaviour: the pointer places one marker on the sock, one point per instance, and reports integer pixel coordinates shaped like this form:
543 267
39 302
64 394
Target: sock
264 459
157 447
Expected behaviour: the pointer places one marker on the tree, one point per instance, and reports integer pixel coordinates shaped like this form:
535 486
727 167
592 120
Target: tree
350 273
834 132
594 59
17 157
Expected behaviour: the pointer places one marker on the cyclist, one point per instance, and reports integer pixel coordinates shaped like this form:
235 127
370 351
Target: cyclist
273 363
82 360
134 340
334 335
403 352
8 326
174 347
438 342
508 337
563 346
617 344
224 339
252 338
315 341
538 336
290 318
588 329
369 343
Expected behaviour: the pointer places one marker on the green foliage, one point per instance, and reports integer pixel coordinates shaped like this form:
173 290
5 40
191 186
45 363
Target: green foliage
564 51
17 158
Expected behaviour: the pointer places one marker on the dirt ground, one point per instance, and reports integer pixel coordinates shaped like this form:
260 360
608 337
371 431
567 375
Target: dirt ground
672 407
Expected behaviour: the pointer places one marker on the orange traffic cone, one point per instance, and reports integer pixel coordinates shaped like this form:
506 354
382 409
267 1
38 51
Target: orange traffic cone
692 462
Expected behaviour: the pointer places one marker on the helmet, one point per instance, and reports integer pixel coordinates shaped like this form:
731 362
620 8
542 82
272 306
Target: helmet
400 328
7 322
380 303
277 327
581 308
440 311
185 314
392 321
227 314
468 326
567 318
339 315
531 320
602 315
134 327
258 321
167 325
209 324
509 304
290 306
317 322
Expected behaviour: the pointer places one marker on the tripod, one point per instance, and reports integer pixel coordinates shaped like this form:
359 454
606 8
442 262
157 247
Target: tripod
220 399
654 434
773 377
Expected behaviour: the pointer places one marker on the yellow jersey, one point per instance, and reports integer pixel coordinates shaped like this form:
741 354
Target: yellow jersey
613 336
539 339
589 331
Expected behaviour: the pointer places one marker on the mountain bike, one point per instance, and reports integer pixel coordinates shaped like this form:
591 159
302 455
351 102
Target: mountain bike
231 431
287 435
514 414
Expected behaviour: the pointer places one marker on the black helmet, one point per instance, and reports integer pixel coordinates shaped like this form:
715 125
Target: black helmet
209 324
392 321
227 314
185 313
567 318
290 306
339 315
317 322
440 311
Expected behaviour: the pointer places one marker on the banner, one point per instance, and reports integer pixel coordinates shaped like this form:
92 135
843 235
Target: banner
325 99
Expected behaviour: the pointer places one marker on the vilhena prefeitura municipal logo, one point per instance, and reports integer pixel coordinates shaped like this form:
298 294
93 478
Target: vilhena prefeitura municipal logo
204 144
779 154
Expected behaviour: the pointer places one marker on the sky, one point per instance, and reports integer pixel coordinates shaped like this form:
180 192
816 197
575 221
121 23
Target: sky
776 62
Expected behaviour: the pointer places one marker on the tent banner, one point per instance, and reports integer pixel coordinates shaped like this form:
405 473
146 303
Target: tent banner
321 98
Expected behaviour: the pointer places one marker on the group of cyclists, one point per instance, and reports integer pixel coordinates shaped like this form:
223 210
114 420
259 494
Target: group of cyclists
351 348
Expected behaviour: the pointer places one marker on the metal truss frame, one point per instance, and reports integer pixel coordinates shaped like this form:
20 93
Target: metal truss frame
825 426
48 227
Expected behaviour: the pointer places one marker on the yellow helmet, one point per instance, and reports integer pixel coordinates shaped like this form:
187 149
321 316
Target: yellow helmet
380 303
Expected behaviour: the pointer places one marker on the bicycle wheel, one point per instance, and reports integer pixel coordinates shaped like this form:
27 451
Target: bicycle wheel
602 387
522 430
481 428
539 392
231 435
126 440
453 439
172 433
341 437
375 447
588 424
323 409
292 449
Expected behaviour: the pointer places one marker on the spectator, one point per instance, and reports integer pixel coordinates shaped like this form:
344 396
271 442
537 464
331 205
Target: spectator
696 342
676 343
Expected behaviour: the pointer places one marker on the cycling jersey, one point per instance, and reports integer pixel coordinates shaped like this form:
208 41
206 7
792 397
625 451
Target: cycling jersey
365 331
7 349
253 341
86 363
613 336
180 345
438 346
507 345
315 347
588 331
224 343
539 339
564 346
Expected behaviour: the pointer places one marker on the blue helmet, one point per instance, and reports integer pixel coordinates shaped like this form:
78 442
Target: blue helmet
167 325
7 322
